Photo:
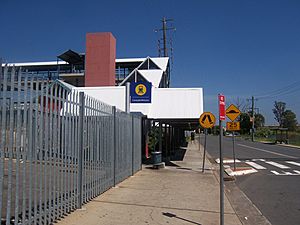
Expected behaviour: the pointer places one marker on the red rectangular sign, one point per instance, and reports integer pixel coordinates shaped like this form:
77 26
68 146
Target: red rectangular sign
222 111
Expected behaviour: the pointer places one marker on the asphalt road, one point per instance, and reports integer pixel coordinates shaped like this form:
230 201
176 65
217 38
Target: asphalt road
275 187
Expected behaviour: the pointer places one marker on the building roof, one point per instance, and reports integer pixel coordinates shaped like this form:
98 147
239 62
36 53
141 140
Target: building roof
153 76
161 62
71 57
151 69
47 63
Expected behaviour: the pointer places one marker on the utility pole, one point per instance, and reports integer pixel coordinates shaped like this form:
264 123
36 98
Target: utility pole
252 118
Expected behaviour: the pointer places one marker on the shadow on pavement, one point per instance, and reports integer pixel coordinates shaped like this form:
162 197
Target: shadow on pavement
171 215
179 154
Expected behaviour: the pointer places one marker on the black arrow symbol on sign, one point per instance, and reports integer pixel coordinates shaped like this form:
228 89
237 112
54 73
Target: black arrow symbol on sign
209 119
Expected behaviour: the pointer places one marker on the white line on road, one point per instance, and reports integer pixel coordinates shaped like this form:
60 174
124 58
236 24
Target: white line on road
256 166
262 160
263 150
276 173
277 165
293 163
296 173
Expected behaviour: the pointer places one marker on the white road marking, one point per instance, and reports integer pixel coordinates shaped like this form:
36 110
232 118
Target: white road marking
276 173
256 166
263 150
293 163
296 173
262 160
278 165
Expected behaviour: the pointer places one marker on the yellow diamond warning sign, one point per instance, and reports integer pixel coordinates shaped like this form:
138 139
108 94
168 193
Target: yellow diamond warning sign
207 120
232 112
233 126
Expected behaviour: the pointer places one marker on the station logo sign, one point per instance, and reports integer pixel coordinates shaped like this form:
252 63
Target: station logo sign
140 92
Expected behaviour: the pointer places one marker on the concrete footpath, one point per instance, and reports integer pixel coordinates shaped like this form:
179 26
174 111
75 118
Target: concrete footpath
178 194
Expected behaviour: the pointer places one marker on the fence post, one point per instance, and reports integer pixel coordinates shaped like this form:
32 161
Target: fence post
81 149
132 144
114 143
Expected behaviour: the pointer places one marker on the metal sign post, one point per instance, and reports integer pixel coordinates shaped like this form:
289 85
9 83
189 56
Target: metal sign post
199 140
221 118
232 112
233 151
204 150
206 120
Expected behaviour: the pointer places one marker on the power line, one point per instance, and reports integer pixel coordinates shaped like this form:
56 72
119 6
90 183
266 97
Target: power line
294 87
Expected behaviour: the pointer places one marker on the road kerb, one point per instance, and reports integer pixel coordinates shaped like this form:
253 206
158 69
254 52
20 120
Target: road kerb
239 171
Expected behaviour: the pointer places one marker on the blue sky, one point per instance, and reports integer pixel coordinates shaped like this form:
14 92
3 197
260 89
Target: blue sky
238 48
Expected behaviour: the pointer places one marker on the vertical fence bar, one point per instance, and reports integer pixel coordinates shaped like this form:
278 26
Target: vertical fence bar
102 146
114 144
51 128
92 147
78 133
61 152
10 147
41 155
47 167
59 167
86 151
30 150
98 173
55 148
65 153
18 148
25 149
36 149
3 133
90 138
81 151
73 150
69 150
132 145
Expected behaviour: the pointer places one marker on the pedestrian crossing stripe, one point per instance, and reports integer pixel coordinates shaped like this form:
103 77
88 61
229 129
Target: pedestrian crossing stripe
256 166
278 165
283 173
293 163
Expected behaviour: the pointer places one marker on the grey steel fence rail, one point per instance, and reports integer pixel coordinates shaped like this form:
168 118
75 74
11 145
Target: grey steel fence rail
59 148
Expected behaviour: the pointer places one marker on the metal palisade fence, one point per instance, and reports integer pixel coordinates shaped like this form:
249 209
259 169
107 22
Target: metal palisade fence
59 148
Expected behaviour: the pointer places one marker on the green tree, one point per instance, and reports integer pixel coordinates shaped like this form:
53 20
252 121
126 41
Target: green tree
279 109
245 123
259 120
289 120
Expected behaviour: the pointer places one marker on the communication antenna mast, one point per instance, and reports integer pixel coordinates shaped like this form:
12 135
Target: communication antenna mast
164 38
166 46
